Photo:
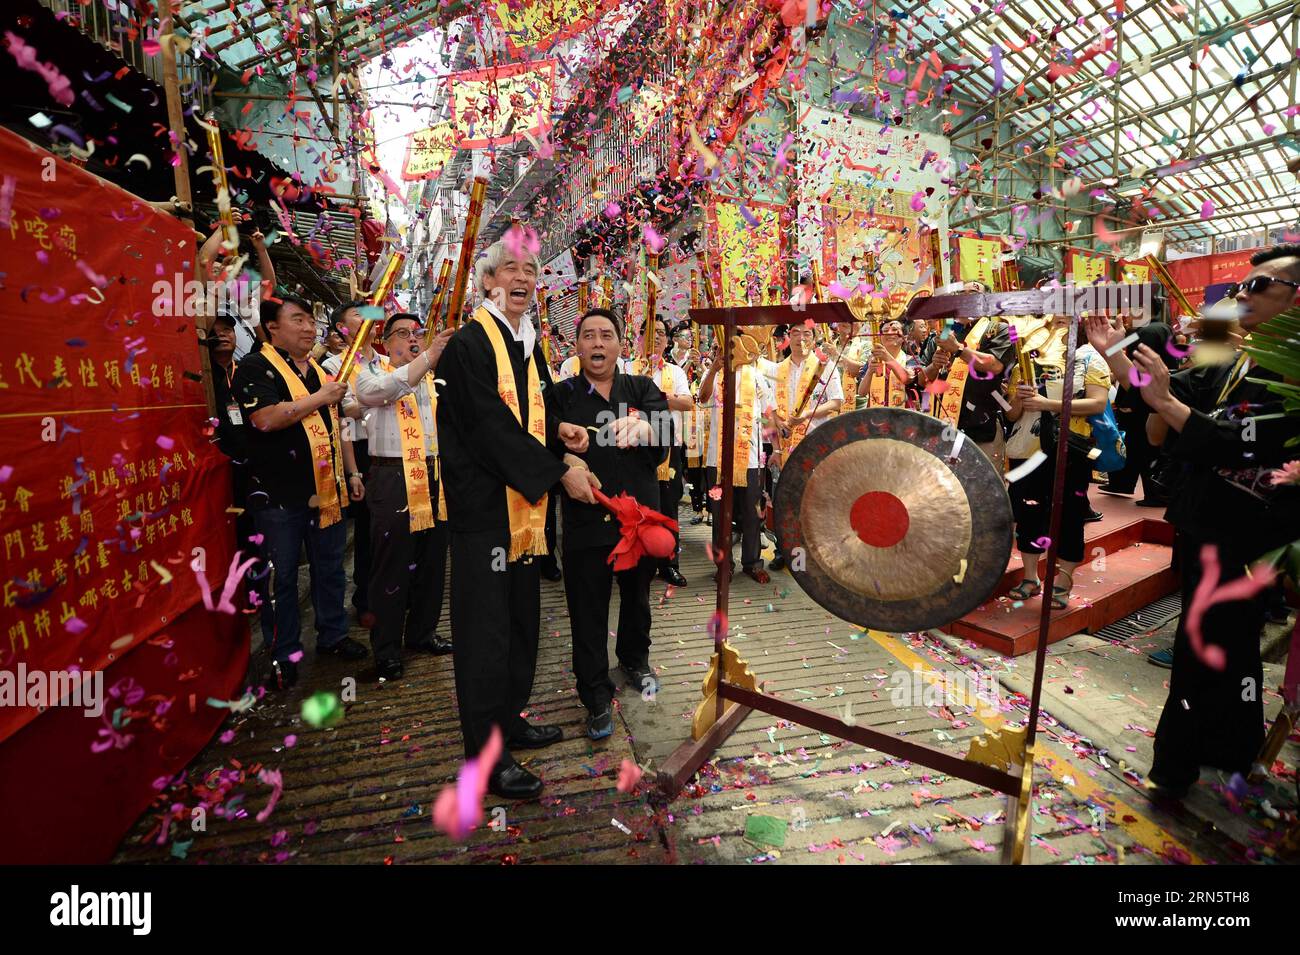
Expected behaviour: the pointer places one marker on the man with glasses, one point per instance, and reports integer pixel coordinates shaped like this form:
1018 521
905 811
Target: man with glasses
408 537
887 379
1230 433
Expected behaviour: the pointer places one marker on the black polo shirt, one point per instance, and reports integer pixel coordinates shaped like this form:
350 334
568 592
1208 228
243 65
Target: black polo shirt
282 471
629 469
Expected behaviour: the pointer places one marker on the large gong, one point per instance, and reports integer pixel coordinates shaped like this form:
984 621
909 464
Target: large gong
882 526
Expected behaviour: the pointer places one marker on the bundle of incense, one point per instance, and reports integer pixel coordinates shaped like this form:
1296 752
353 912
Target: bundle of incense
435 307
229 235
648 323
473 218
377 296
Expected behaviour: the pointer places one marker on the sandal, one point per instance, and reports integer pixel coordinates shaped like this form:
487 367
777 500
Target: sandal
1026 589
1061 595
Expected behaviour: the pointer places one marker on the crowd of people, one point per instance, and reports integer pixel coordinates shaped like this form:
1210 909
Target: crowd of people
483 448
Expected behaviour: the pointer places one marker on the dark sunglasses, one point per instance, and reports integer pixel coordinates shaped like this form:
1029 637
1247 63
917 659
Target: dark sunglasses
1257 286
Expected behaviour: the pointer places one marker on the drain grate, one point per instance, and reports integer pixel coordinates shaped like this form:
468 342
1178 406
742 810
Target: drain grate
1143 621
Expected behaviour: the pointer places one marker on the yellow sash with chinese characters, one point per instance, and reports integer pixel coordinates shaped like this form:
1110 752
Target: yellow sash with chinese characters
849 384
666 471
891 394
743 439
415 471
703 422
811 368
326 455
949 403
692 437
527 521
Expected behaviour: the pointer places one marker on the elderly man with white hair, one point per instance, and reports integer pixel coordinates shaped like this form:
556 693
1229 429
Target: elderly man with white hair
501 447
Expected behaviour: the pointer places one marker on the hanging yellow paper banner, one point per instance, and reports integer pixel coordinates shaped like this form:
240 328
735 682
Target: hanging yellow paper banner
748 240
979 260
428 150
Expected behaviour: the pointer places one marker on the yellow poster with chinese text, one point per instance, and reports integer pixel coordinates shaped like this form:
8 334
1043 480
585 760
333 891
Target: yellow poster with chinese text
745 242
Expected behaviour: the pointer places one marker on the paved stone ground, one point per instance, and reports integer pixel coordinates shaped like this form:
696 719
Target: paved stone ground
361 792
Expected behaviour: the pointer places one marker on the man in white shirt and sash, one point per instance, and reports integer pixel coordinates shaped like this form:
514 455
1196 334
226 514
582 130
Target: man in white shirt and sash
407 512
753 401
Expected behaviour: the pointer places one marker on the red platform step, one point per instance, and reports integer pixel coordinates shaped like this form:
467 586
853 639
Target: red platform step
1137 545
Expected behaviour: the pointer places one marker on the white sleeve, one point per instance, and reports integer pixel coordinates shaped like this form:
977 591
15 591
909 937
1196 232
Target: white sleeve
376 387
834 390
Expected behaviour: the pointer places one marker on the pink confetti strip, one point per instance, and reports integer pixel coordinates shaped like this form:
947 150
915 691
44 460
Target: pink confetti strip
1209 593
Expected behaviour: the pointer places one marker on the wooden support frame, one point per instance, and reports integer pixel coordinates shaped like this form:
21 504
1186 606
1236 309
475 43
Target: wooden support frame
1016 782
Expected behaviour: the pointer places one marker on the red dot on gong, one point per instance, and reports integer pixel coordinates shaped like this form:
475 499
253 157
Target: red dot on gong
879 518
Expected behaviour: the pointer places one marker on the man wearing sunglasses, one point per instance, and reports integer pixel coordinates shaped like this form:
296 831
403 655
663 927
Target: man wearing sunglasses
1230 433
408 539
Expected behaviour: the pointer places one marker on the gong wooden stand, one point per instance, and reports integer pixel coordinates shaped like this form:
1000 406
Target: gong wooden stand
1003 761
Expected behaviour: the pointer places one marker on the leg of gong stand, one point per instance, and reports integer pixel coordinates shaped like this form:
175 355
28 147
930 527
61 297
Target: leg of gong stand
1020 817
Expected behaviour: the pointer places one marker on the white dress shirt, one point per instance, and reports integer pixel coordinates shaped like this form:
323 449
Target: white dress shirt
680 386
827 389
380 390
360 426
764 403
526 335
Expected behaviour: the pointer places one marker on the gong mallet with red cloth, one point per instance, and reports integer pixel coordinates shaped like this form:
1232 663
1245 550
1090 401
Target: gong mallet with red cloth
646 533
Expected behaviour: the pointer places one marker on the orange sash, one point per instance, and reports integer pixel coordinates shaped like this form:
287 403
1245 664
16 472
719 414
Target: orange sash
527 521
326 454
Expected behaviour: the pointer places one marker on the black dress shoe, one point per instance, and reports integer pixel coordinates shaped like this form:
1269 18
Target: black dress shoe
514 782
431 644
673 576
390 670
1093 517
642 678
283 675
777 562
346 649
535 737
550 569
600 724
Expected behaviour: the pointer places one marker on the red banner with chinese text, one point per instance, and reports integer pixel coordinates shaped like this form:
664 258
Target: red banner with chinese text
1195 275
109 486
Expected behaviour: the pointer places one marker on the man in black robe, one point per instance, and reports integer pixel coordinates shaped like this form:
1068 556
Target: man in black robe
485 449
1216 421
633 436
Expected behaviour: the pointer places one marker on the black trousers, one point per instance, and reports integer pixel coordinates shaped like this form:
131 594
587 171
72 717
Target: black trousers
695 477
496 611
588 583
1031 503
670 498
1213 718
1139 457
362 549
409 569
746 502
